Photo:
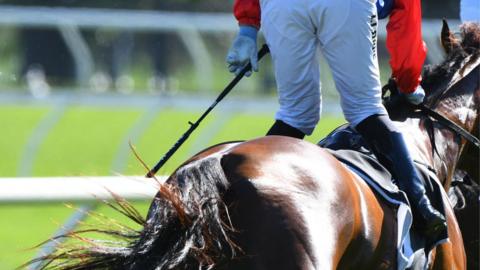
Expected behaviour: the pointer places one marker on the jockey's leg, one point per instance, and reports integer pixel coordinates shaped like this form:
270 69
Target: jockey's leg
281 128
291 38
388 144
350 50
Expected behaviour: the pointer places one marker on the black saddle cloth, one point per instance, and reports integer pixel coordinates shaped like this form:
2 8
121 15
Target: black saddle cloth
348 146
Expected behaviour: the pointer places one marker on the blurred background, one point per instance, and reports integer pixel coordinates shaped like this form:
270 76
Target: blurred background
81 79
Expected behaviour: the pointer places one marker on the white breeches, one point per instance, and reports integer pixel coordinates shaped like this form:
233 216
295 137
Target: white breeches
345 31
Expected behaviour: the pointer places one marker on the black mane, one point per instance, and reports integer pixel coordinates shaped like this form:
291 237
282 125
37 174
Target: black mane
467 46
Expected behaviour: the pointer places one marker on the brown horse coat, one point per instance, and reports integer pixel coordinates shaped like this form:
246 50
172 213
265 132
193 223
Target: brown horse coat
305 210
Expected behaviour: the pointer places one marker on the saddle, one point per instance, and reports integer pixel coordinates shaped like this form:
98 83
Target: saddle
348 146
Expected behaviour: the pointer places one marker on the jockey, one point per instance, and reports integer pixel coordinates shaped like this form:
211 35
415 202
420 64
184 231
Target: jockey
346 33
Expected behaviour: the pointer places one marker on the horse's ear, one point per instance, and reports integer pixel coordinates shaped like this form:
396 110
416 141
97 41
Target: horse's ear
449 43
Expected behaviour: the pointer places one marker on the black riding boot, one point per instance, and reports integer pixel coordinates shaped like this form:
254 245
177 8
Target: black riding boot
389 147
283 129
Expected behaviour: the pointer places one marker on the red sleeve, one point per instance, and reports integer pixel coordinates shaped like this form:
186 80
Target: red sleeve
247 12
405 45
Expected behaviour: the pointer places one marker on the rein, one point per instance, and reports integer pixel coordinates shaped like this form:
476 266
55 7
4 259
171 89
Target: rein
450 124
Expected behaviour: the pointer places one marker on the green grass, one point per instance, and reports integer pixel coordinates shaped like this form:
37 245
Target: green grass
248 125
25 226
86 140
165 130
16 125
22 227
243 127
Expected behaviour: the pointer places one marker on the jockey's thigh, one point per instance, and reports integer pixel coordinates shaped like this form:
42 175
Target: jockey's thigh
291 38
347 31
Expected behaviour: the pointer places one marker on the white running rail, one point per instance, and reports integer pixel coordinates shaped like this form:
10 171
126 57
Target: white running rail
67 189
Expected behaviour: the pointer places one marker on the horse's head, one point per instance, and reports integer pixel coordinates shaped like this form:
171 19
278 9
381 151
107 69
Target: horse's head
455 81
453 87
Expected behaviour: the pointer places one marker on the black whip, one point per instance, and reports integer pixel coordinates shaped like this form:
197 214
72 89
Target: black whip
263 51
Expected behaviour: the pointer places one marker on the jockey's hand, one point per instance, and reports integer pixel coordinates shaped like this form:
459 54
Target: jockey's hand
243 50
417 96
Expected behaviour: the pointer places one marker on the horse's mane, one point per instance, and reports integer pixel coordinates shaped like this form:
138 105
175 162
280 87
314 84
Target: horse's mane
184 229
467 46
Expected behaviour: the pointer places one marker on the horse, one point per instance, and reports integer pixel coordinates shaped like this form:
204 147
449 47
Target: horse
464 195
283 203
465 190
462 56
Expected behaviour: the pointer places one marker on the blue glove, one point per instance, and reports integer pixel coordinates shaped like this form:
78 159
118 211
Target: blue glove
243 50
417 96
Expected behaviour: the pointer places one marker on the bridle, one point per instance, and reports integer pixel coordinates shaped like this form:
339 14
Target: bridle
395 98
449 124
459 75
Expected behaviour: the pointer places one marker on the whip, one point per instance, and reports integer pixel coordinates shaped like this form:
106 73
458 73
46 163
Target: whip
262 52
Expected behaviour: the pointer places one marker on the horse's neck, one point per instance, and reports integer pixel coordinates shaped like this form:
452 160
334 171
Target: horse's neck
442 154
458 103
463 109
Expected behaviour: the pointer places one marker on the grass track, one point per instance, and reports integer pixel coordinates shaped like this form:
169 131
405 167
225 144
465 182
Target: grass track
85 142
24 226
165 130
16 125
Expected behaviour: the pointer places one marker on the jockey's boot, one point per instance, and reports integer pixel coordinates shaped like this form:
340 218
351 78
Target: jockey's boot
283 129
388 145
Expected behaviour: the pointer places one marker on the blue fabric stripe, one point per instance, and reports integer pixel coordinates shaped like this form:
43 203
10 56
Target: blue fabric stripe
384 7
